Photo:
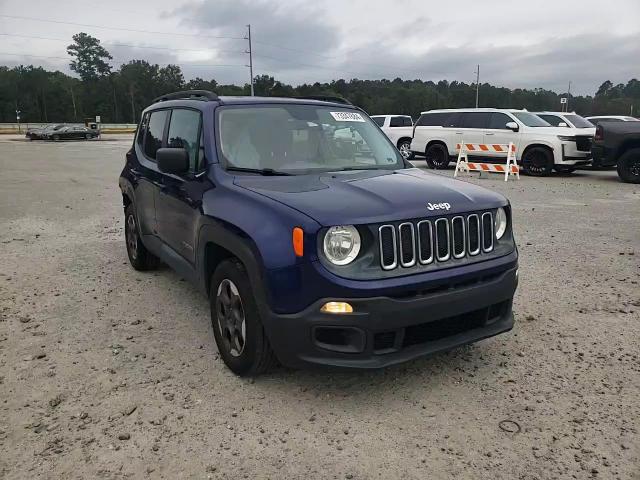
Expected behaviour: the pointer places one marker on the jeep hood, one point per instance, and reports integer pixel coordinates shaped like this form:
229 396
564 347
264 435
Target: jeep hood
361 197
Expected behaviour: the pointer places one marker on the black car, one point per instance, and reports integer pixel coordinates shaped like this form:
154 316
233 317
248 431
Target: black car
314 250
71 133
40 133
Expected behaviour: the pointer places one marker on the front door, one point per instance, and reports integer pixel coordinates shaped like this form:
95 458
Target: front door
497 133
147 178
179 198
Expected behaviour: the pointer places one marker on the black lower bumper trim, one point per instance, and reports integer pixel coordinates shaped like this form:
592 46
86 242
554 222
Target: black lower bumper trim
394 330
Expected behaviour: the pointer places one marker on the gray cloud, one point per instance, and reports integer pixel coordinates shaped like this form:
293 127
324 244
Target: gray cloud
299 41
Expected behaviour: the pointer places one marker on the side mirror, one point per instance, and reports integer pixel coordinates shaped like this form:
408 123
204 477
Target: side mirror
512 126
563 124
172 160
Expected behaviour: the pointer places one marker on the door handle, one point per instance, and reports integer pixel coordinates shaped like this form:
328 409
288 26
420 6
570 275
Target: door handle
489 133
458 133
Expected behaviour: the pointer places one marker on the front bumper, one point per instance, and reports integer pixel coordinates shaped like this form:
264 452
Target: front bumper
573 156
384 331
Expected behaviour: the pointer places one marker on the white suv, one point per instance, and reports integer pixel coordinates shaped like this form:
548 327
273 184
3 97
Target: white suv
568 120
399 129
540 148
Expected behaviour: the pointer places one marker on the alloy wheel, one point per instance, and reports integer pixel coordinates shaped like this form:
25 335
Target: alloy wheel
405 150
131 233
231 317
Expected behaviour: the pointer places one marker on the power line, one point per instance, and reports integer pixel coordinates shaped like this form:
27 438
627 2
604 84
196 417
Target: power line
121 44
123 61
120 28
293 62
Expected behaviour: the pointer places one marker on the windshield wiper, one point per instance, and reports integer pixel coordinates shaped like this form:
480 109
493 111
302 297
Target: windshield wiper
267 172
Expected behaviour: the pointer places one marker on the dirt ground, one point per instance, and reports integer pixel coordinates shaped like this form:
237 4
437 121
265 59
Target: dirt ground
106 372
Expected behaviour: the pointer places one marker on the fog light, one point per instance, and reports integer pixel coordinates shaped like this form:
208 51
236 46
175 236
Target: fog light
336 307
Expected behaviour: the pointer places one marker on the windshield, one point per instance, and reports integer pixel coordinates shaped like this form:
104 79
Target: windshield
301 138
530 120
579 122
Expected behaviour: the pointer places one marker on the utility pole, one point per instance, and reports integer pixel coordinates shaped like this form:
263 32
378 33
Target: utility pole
18 119
477 84
568 95
250 52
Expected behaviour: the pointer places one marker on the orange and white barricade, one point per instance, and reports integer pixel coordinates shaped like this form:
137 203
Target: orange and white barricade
464 165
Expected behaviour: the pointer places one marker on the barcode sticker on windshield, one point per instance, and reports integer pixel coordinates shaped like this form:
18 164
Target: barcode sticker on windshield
347 116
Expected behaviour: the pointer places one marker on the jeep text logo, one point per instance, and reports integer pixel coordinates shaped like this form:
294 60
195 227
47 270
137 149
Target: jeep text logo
438 206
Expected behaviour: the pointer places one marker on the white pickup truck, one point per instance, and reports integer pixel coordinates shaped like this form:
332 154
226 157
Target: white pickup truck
399 129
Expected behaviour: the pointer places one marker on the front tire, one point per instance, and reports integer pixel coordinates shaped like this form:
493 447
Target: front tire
537 162
139 257
56 138
629 166
235 318
405 149
437 156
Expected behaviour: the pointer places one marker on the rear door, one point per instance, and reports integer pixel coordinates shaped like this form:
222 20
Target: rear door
469 129
497 133
180 196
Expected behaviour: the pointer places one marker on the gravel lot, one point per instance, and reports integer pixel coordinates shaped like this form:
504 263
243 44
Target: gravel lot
106 372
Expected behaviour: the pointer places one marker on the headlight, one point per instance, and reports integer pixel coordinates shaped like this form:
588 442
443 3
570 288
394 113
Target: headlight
500 223
341 244
566 138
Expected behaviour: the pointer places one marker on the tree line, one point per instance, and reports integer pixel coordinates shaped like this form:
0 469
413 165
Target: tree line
119 95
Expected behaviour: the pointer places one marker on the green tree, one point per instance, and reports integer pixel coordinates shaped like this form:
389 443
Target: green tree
89 57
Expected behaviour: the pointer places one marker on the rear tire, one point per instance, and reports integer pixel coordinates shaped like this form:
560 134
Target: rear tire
88 136
437 156
537 162
139 257
237 326
404 146
629 166
56 138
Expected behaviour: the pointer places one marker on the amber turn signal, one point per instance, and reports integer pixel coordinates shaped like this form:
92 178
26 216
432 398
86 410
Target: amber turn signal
298 241
337 307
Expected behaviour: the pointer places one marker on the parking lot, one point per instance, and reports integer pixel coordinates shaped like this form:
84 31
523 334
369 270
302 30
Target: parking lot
106 372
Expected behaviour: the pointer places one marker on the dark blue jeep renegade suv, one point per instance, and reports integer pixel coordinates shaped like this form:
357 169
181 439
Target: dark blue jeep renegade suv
316 242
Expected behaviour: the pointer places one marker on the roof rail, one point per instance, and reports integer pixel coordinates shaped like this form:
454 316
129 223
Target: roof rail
326 98
204 95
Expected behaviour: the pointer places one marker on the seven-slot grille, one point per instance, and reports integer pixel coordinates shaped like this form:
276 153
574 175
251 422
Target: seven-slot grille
435 240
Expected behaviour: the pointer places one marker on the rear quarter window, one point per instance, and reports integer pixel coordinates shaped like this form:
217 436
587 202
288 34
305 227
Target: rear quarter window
433 119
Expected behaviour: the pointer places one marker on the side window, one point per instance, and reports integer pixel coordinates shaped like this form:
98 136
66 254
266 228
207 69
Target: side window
396 122
379 121
184 132
499 120
475 120
432 119
407 122
155 131
142 129
552 120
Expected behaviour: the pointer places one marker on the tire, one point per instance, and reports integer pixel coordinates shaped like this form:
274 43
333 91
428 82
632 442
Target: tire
235 318
139 257
537 162
87 136
56 138
629 166
564 169
404 146
437 156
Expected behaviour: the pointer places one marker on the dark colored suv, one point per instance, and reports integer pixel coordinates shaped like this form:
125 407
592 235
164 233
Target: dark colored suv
316 242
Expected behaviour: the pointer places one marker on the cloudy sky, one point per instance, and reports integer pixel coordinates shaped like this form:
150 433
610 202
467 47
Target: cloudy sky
540 43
